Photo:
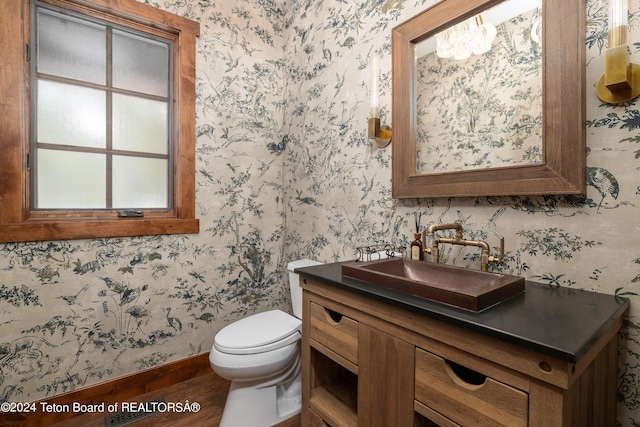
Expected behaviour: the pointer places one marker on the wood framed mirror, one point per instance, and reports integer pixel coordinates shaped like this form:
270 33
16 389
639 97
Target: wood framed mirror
560 166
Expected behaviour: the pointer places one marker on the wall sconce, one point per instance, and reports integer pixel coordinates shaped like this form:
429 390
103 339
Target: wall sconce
379 134
621 79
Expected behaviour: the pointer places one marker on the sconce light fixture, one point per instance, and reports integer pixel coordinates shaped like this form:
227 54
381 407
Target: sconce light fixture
621 79
379 134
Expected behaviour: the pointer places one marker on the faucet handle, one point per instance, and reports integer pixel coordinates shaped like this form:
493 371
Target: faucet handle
492 259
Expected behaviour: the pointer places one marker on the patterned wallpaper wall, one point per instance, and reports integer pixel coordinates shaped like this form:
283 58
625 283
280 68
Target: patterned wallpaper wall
76 313
338 189
284 171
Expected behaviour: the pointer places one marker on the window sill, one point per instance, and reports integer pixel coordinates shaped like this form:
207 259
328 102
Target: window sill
39 230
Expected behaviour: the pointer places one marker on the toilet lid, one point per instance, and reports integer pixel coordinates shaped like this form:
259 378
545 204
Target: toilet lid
258 333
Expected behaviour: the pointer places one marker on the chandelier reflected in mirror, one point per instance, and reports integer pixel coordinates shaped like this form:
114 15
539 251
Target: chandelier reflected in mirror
472 36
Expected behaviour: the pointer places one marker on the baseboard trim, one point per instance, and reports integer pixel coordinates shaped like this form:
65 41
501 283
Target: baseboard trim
114 391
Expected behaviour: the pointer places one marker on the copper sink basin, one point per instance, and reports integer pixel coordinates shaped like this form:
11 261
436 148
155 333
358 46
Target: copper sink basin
473 290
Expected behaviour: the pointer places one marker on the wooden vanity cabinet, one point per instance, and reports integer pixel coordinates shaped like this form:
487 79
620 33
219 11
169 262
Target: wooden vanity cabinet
370 363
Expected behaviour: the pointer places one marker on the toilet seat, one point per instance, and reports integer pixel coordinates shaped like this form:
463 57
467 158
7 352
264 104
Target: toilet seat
259 333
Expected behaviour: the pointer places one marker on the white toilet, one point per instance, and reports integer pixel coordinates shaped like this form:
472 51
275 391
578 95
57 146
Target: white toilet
260 354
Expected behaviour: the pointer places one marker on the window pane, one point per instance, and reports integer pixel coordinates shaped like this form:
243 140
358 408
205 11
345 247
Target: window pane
140 64
68 179
71 48
139 124
139 182
71 115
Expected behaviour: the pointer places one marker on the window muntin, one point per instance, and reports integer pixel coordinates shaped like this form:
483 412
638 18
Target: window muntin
102 98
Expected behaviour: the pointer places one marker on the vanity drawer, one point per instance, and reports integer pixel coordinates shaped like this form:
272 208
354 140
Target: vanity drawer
465 396
336 332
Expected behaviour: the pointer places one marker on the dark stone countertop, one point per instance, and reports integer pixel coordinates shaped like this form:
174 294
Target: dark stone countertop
558 321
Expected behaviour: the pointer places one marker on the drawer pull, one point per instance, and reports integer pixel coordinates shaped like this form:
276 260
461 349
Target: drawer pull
546 367
334 315
466 375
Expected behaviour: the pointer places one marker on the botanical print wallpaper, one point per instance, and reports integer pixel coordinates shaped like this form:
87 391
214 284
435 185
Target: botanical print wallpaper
485 110
338 188
285 171
75 313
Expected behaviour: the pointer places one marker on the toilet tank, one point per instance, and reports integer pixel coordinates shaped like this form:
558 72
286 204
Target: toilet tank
294 284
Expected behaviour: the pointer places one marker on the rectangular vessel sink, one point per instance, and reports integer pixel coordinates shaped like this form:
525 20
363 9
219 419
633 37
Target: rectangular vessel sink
473 290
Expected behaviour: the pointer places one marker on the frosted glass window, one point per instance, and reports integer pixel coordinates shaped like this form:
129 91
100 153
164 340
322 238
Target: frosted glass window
139 182
71 115
71 180
139 124
102 113
140 64
71 48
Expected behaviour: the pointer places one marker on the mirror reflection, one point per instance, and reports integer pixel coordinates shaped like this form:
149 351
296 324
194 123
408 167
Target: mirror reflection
479 91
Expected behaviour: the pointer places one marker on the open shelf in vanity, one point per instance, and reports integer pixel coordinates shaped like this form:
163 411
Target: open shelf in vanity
334 391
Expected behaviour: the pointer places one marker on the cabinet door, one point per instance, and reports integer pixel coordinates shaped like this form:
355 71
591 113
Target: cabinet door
385 379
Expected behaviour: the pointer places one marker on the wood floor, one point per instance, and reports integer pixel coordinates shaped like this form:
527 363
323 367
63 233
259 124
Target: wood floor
209 390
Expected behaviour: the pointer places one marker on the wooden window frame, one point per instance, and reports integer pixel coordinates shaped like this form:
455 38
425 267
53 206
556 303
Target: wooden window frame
17 222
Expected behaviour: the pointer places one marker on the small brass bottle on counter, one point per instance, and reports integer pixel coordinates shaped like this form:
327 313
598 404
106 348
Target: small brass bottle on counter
416 248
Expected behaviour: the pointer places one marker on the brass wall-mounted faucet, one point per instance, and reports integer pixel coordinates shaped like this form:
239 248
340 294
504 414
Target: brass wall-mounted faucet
458 240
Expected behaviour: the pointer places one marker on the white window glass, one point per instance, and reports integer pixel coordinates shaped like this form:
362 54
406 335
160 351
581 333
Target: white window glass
139 182
101 104
140 64
71 180
71 115
71 48
139 124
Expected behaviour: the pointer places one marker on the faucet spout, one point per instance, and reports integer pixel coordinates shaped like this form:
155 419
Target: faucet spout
434 250
430 232
451 226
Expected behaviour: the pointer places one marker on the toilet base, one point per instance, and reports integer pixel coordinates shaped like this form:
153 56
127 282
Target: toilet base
256 404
